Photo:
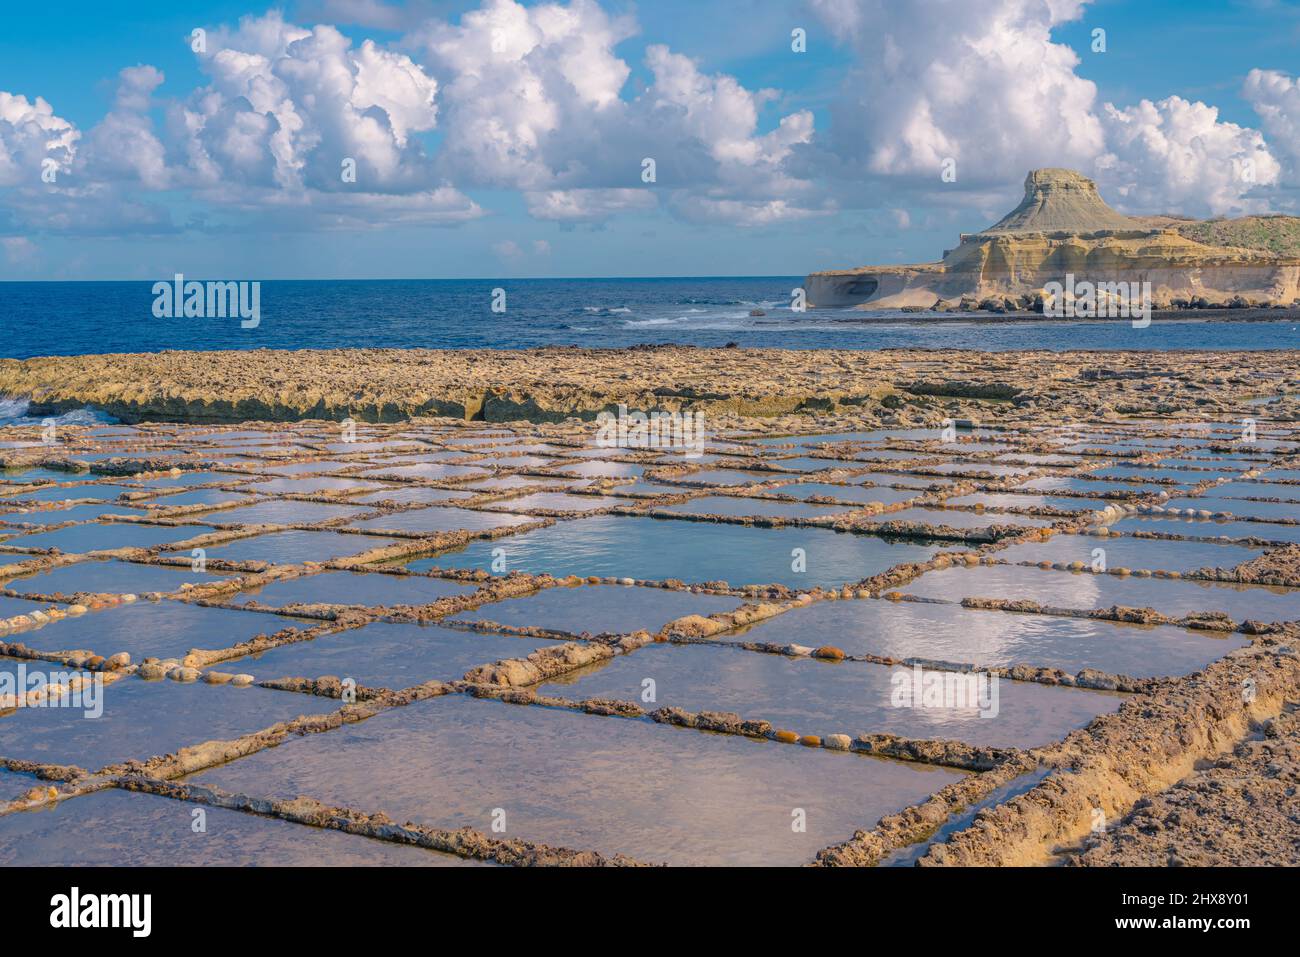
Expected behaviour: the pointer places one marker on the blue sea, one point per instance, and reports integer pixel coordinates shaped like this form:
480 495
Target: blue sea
88 317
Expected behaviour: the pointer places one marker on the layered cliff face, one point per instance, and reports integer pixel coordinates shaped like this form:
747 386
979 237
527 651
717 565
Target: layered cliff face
1063 228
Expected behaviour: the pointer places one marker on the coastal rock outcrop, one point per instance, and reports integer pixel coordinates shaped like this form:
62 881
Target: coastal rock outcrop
1063 228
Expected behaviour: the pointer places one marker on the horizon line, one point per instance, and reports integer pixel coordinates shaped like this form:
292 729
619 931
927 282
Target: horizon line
434 278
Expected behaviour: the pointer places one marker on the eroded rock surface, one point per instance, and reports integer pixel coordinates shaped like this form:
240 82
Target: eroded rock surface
801 388
1242 810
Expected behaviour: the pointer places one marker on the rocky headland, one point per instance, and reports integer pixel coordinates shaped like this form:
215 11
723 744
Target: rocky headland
1063 228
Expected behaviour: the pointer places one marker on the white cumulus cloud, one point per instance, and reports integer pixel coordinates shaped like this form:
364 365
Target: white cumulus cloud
1179 156
534 99
986 86
30 134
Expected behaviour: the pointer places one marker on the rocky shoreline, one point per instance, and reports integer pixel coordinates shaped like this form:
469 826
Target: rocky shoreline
1028 307
891 387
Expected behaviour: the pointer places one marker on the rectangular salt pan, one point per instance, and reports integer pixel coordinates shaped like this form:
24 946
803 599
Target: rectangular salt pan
613 609
732 505
1087 591
948 632
1209 528
848 493
1152 554
658 793
292 547
286 512
437 518
810 696
353 588
557 502
659 549
163 629
142 719
384 654
78 539
127 829
110 577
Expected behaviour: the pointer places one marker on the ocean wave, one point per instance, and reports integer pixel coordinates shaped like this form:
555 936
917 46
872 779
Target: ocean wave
14 412
663 321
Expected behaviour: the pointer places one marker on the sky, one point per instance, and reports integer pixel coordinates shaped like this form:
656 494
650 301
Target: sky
494 139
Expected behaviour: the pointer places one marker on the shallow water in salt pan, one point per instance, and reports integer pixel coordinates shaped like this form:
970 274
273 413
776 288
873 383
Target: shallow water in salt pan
604 469
387 655
557 502
732 505
163 629
951 633
74 492
810 696
13 786
849 493
287 548
613 609
306 486
9 607
1087 591
1240 507
133 830
405 496
728 477
618 786
110 577
425 470
142 719
658 549
438 518
1151 554
187 479
285 512
353 588
1208 528
75 513
101 537
1249 489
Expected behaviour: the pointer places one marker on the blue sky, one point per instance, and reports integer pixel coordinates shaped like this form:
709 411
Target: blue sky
772 162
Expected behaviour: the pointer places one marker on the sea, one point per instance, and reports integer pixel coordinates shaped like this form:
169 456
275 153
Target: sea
70 318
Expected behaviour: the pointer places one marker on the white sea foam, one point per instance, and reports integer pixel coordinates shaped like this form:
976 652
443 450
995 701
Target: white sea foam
14 412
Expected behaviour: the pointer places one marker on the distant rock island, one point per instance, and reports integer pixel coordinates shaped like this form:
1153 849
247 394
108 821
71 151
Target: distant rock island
1063 230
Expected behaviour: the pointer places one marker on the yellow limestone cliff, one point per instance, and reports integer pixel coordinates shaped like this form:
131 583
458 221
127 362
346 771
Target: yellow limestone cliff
1063 228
